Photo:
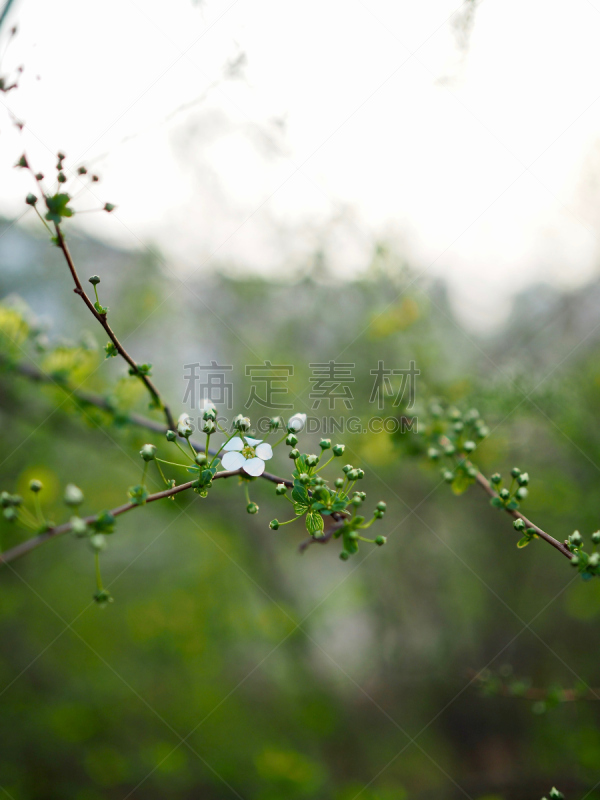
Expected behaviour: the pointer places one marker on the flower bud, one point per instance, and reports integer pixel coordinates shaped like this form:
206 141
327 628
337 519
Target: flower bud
338 449
82 170
381 506
380 540
31 199
469 446
252 508
458 427
519 525
103 597
523 479
522 493
10 514
73 495
171 436
353 475
339 482
496 478
109 207
36 486
504 494
5 500
148 452
346 468
61 177
325 444
472 472
281 488
594 560
274 524
201 459
433 454
575 538
596 537
482 432
98 542
515 472
356 501
291 440
94 280
344 555
209 426
241 423
304 478
294 453
449 450
312 460
184 426
447 476
78 526
296 423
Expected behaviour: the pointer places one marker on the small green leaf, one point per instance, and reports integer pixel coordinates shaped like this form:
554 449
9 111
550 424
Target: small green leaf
496 502
461 483
300 494
523 542
58 207
314 523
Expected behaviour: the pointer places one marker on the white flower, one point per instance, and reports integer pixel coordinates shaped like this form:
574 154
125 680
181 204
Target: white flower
296 423
249 455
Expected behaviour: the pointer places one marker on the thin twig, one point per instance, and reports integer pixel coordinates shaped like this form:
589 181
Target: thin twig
98 401
58 530
104 322
487 487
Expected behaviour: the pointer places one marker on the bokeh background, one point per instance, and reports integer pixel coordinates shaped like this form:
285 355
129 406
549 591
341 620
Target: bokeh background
230 665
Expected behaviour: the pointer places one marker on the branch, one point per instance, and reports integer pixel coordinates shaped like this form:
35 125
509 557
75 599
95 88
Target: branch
103 321
487 487
97 400
58 530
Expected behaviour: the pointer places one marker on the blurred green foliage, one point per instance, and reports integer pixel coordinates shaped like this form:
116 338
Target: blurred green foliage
231 666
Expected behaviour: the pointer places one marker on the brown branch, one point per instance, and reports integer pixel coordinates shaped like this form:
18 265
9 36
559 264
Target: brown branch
487 487
112 336
58 530
97 400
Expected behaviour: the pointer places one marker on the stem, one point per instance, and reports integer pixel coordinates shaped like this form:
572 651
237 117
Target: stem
162 475
158 402
98 574
58 530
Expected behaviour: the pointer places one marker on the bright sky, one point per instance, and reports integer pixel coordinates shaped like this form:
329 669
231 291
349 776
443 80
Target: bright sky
351 120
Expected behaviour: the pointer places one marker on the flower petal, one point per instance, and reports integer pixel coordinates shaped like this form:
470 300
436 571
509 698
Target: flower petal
234 444
233 460
253 442
254 467
264 451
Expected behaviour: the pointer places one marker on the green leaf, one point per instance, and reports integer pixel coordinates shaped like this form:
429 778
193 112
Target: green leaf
497 502
314 523
300 494
513 505
300 508
104 522
523 542
58 207
461 483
